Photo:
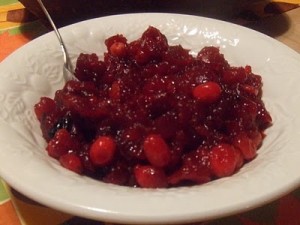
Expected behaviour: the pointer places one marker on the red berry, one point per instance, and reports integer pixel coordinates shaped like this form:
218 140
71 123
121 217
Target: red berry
248 69
208 92
234 75
72 162
264 119
115 91
48 123
257 138
103 150
223 160
239 158
118 49
195 169
245 145
249 89
115 39
44 106
89 67
133 133
212 56
118 174
150 177
61 144
156 150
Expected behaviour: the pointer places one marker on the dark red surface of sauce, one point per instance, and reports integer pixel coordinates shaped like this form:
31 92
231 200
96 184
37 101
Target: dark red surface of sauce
152 115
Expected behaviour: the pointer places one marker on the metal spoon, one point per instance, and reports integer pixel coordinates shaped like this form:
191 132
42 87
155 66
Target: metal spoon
67 68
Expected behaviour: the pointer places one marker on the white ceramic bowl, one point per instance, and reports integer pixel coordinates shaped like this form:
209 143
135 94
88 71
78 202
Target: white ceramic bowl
35 70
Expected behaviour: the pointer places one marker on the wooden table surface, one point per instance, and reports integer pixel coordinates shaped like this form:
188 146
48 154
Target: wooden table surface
285 28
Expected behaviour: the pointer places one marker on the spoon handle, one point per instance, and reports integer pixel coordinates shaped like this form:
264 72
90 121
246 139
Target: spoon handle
67 65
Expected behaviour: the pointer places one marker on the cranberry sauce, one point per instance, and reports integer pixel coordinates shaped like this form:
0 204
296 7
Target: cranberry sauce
152 115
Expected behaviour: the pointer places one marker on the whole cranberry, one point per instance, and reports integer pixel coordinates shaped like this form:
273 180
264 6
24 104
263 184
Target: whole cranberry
150 177
223 160
156 150
102 150
72 162
207 92
61 144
